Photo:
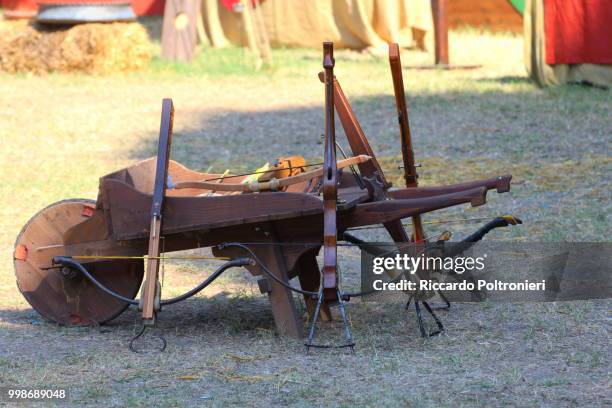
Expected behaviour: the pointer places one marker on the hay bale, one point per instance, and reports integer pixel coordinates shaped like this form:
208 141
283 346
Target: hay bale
92 48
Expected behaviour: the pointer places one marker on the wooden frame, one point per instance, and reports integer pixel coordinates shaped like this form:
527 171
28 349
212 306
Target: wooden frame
281 232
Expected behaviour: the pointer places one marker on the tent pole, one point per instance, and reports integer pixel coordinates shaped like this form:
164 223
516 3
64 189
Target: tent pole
440 23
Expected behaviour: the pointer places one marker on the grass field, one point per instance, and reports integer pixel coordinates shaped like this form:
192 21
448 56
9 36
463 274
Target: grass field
60 133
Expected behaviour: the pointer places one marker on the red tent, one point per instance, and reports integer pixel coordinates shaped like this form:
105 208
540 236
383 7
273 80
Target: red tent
28 8
578 31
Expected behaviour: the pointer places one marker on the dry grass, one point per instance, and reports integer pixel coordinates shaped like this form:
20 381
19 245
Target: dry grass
99 49
60 133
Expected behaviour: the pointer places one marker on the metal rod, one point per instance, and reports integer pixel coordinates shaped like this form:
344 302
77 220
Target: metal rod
313 322
345 323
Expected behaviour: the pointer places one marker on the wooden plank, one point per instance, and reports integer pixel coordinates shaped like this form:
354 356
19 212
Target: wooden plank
275 259
286 318
130 216
179 31
309 275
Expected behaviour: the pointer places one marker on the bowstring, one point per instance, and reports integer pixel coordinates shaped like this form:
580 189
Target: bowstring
262 172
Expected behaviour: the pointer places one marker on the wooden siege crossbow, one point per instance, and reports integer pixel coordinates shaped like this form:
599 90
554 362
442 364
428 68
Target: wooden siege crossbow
80 262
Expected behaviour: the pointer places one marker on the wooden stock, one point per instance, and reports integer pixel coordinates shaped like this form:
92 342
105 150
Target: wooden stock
501 184
330 186
392 210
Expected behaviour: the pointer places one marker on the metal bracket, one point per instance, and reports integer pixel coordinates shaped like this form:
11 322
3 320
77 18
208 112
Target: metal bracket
350 343
376 187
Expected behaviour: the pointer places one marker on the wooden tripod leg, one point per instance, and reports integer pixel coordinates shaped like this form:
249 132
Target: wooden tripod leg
396 231
309 274
288 323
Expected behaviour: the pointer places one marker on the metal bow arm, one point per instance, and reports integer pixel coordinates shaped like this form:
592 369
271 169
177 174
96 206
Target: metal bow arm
330 178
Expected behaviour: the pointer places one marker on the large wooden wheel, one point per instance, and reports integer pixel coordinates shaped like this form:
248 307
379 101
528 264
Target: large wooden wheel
65 296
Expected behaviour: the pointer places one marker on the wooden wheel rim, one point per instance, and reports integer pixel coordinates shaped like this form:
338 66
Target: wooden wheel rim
70 301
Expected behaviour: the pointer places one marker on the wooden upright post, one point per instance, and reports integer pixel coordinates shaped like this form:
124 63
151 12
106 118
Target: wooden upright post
440 23
150 288
410 173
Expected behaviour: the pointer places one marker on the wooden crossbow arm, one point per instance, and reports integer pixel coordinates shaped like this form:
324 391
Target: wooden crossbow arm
501 184
356 137
274 184
359 145
330 178
392 210
410 173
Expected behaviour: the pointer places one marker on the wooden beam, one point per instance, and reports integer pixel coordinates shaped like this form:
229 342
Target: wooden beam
150 289
440 23
179 31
